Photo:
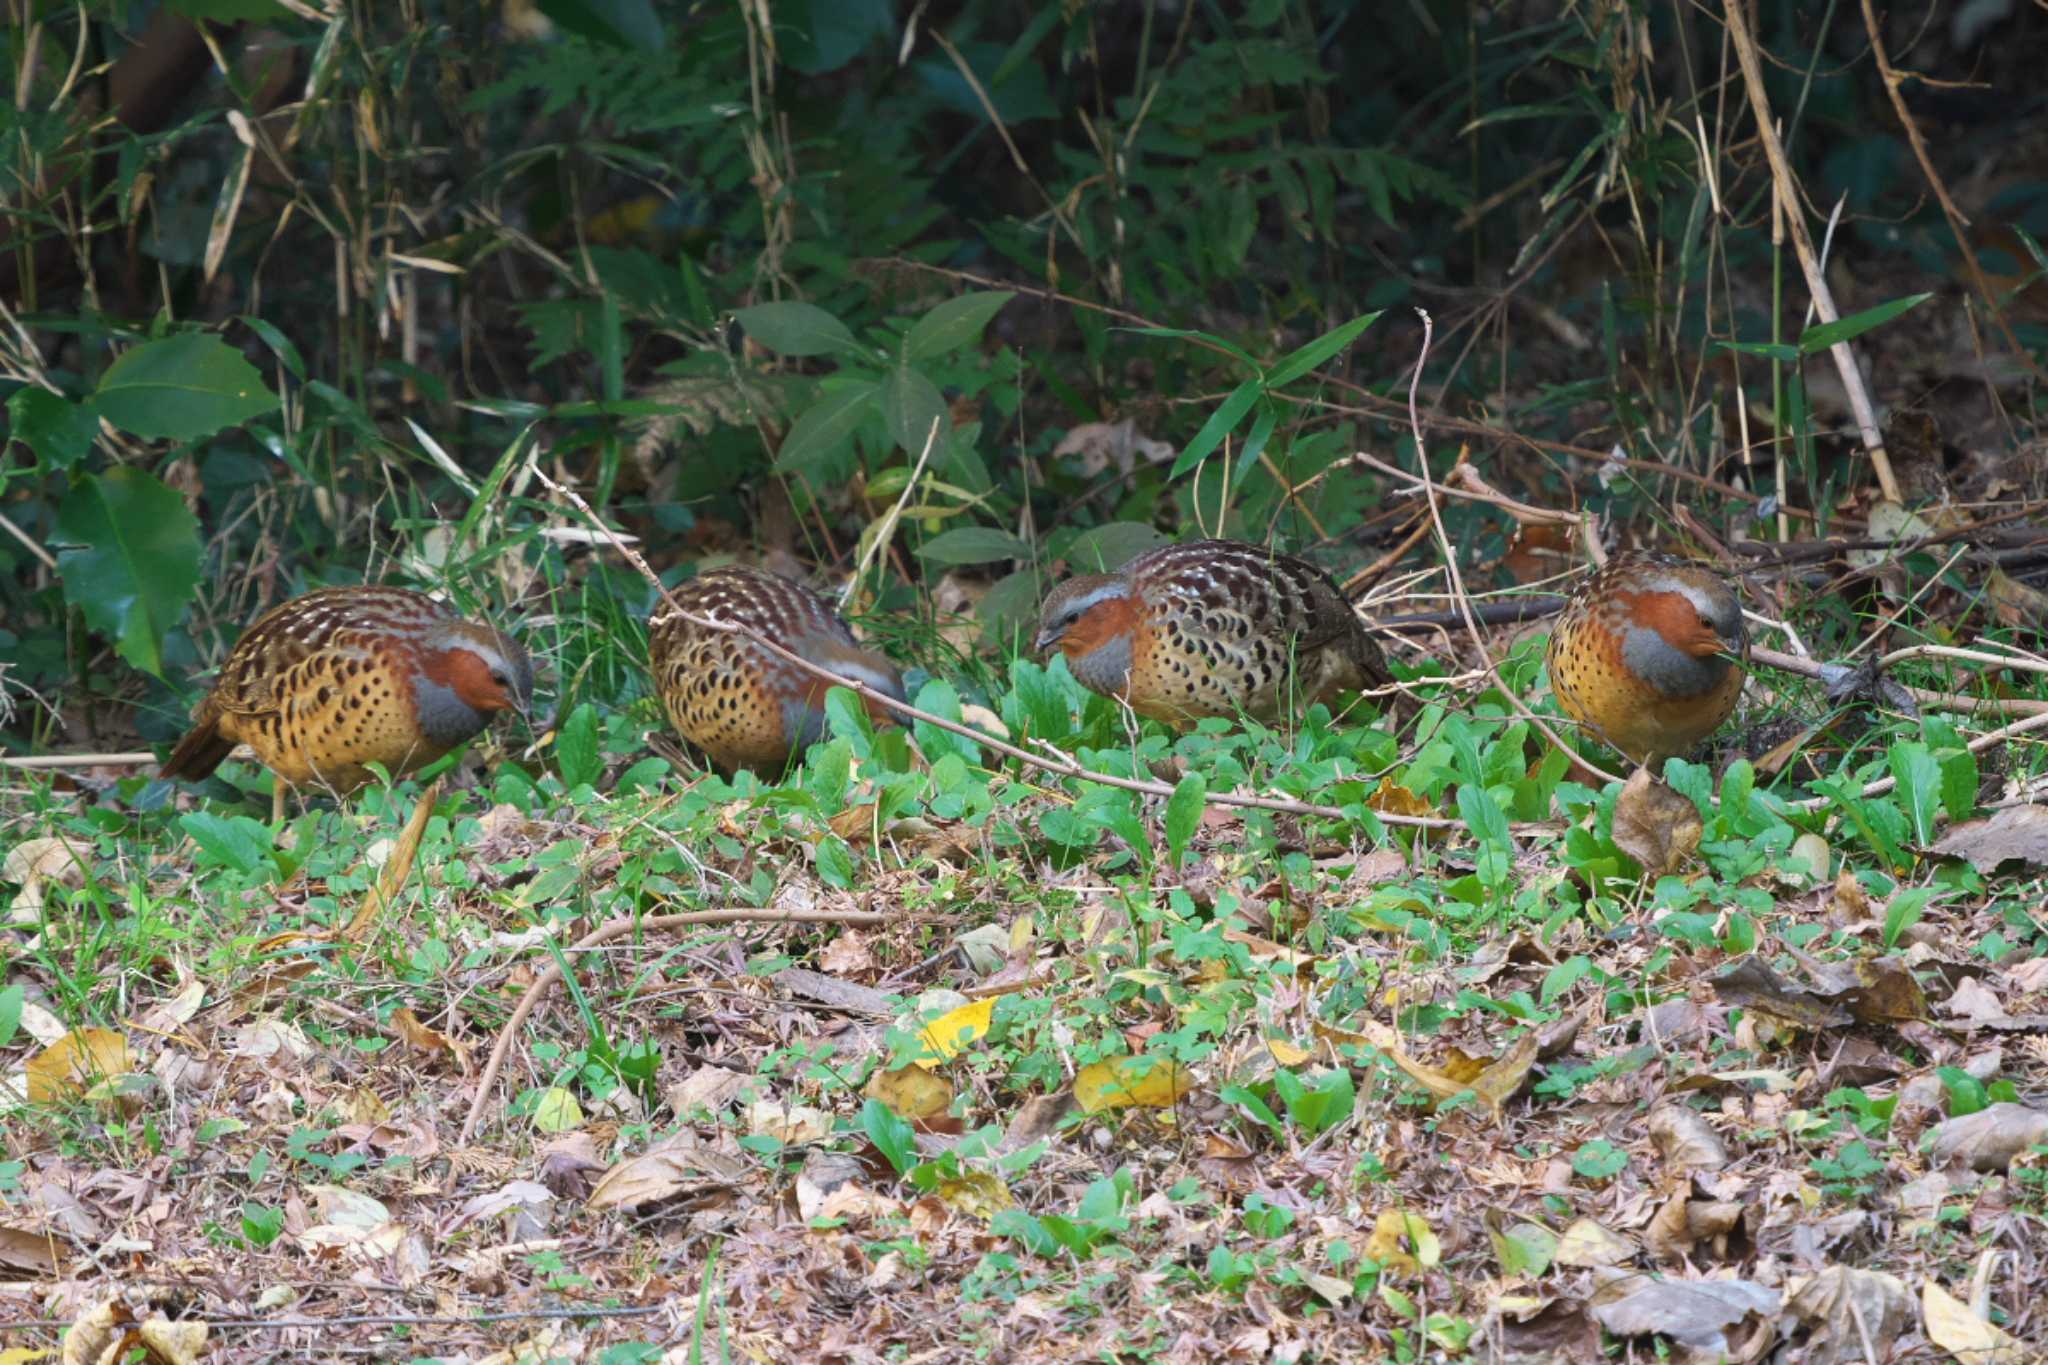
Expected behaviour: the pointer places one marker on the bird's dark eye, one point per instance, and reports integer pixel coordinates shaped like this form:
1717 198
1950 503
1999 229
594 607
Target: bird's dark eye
499 678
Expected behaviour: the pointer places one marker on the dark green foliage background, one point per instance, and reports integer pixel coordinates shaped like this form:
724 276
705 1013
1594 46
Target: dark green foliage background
604 201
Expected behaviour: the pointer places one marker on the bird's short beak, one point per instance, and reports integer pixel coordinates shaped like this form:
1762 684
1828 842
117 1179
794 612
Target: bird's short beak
1043 641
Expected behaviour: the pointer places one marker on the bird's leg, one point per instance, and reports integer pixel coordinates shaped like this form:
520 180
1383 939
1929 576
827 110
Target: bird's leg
276 800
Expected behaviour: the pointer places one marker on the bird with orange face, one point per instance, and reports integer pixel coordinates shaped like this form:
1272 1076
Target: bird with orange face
1649 655
324 685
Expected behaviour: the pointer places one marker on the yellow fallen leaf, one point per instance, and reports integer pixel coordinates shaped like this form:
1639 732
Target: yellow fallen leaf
557 1111
1955 1329
79 1060
952 1031
1287 1053
913 1092
980 1193
1402 1243
1151 1082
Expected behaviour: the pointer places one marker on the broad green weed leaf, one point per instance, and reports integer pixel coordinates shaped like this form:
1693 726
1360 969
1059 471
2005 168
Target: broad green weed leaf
796 329
181 388
131 561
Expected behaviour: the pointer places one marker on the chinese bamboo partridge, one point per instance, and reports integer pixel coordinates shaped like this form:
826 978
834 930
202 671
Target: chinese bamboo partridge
1212 628
328 683
744 707
1649 655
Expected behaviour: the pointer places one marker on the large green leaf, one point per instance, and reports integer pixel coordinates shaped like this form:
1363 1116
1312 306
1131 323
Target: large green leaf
954 323
131 560
911 403
821 429
181 388
1218 426
794 328
973 545
1814 340
58 430
1108 547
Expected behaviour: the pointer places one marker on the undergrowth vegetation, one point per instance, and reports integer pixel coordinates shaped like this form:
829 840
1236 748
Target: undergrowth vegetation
1025 1028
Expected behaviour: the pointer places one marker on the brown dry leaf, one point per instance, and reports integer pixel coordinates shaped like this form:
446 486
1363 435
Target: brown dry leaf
664 1172
1125 1082
1682 1224
1495 1083
708 1087
109 1333
1886 992
1037 1120
1685 1140
1403 1244
397 867
788 1124
855 824
1101 446
1851 901
913 1092
408 1026
80 1060
32 1252
1954 1328
1697 1314
48 860
1750 984
1989 1139
1843 1306
848 955
2016 834
2017 604
1655 825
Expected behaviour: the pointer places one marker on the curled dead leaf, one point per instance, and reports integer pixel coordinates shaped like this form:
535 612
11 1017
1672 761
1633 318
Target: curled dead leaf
1655 825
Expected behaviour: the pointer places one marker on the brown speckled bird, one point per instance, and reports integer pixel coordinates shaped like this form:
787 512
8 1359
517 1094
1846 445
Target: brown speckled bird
741 705
1212 628
1649 655
327 683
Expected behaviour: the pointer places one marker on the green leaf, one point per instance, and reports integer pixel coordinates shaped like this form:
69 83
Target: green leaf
1108 547
280 345
954 323
798 329
237 841
1219 425
1294 366
824 428
1904 912
131 562
1920 786
1769 350
1817 339
1255 441
615 23
58 430
836 864
1966 1094
973 545
1184 815
11 1000
911 406
1169 333
891 1133
1958 782
181 388
576 748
